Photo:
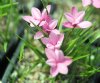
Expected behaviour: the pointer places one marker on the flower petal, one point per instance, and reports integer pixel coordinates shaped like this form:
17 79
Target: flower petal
50 53
74 11
38 35
50 46
36 13
59 55
55 31
86 2
79 17
53 24
48 8
44 12
62 68
28 18
45 40
67 61
61 37
53 37
69 17
96 3
67 25
84 24
42 23
51 62
53 71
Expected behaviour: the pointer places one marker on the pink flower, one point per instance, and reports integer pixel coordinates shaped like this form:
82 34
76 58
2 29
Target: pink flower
57 61
50 25
38 18
54 41
95 3
75 19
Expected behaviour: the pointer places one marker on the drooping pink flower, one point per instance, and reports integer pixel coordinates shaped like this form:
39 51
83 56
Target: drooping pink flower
54 41
38 18
95 3
57 61
75 19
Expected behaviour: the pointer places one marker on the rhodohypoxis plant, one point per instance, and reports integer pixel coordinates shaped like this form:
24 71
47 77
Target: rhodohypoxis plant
95 3
75 19
53 42
55 56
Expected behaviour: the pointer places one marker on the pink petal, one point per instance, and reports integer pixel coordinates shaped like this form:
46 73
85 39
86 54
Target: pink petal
48 8
45 40
50 53
36 13
69 17
60 41
61 38
48 18
85 24
53 24
86 2
42 23
51 62
50 46
55 31
74 11
62 68
28 18
96 3
59 55
44 12
38 35
53 38
31 20
46 26
53 71
67 61
68 25
79 17
36 22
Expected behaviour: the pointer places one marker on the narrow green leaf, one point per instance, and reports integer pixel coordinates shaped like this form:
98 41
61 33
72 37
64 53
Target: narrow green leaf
95 36
80 57
34 48
59 22
21 52
5 14
5 46
8 5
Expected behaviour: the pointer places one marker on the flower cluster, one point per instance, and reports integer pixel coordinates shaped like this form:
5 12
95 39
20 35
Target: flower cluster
54 39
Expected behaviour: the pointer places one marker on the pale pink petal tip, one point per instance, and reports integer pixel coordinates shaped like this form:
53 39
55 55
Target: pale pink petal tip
48 8
96 3
53 24
38 35
85 24
36 13
68 25
86 2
